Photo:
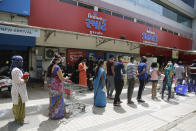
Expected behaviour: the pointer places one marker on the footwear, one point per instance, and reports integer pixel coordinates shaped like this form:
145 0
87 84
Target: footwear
162 97
116 104
141 101
112 98
130 102
155 98
120 102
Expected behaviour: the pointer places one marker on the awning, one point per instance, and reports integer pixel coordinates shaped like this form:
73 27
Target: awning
16 42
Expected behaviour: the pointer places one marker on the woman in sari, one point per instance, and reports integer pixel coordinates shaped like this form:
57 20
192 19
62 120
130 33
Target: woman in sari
99 83
82 72
18 91
57 105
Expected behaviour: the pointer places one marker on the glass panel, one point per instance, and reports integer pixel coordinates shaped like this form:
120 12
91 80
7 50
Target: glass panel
117 15
189 2
128 18
69 1
86 6
104 11
141 22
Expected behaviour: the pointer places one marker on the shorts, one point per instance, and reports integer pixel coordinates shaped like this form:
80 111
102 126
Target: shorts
154 81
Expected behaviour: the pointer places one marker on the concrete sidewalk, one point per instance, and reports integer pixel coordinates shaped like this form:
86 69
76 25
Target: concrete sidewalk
152 115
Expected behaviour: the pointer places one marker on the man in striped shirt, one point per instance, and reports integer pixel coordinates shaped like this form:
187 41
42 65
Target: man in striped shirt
131 75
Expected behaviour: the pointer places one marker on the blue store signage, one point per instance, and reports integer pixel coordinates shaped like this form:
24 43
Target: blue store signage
96 23
150 35
21 7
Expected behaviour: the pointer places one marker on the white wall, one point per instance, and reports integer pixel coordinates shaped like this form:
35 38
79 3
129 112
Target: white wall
60 39
13 18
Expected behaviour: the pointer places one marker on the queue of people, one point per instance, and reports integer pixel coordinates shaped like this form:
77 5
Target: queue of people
104 82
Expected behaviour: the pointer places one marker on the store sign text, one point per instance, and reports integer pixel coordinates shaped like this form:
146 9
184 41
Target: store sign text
150 35
97 23
19 31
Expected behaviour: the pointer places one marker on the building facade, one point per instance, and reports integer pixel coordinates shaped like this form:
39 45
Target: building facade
163 29
15 40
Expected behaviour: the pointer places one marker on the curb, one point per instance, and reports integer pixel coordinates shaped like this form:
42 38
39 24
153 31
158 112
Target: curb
176 122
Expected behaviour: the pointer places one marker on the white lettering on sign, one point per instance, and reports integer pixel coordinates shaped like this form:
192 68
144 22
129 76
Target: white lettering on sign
75 55
19 31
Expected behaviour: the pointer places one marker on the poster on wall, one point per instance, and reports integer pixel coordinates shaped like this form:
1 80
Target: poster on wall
175 54
74 55
95 54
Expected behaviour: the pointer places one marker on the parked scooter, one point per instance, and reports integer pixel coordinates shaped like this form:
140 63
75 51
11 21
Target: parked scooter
5 82
5 86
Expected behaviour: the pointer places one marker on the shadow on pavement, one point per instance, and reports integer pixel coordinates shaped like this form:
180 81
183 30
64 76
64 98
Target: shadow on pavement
119 109
132 105
98 110
145 105
49 125
11 126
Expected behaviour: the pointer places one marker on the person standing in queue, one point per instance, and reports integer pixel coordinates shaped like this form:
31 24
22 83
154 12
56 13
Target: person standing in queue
99 85
56 94
18 90
168 71
154 79
119 68
110 76
82 72
131 75
142 75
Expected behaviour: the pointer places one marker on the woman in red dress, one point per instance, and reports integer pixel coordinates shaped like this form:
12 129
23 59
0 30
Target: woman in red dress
82 72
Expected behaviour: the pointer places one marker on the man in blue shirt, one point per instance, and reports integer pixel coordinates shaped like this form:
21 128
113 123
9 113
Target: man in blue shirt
119 80
142 70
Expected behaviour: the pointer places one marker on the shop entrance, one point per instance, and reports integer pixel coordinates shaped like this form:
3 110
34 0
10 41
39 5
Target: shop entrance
5 59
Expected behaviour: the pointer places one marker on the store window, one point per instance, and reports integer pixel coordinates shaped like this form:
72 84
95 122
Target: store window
164 10
140 22
69 2
129 18
104 11
85 6
189 2
117 15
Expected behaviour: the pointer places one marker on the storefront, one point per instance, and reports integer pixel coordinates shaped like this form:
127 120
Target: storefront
16 41
88 30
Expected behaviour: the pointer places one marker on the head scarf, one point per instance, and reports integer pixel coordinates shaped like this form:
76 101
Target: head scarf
17 61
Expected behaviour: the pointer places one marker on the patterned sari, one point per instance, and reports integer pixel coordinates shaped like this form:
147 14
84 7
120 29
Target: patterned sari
57 105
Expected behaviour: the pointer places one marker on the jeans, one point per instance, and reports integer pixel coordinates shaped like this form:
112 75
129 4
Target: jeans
169 89
131 83
110 85
119 83
141 88
192 83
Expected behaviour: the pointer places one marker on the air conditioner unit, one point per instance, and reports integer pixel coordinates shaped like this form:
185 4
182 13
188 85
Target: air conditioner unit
49 52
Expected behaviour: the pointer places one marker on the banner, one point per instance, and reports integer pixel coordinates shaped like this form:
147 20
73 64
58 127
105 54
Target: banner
74 55
175 54
19 31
